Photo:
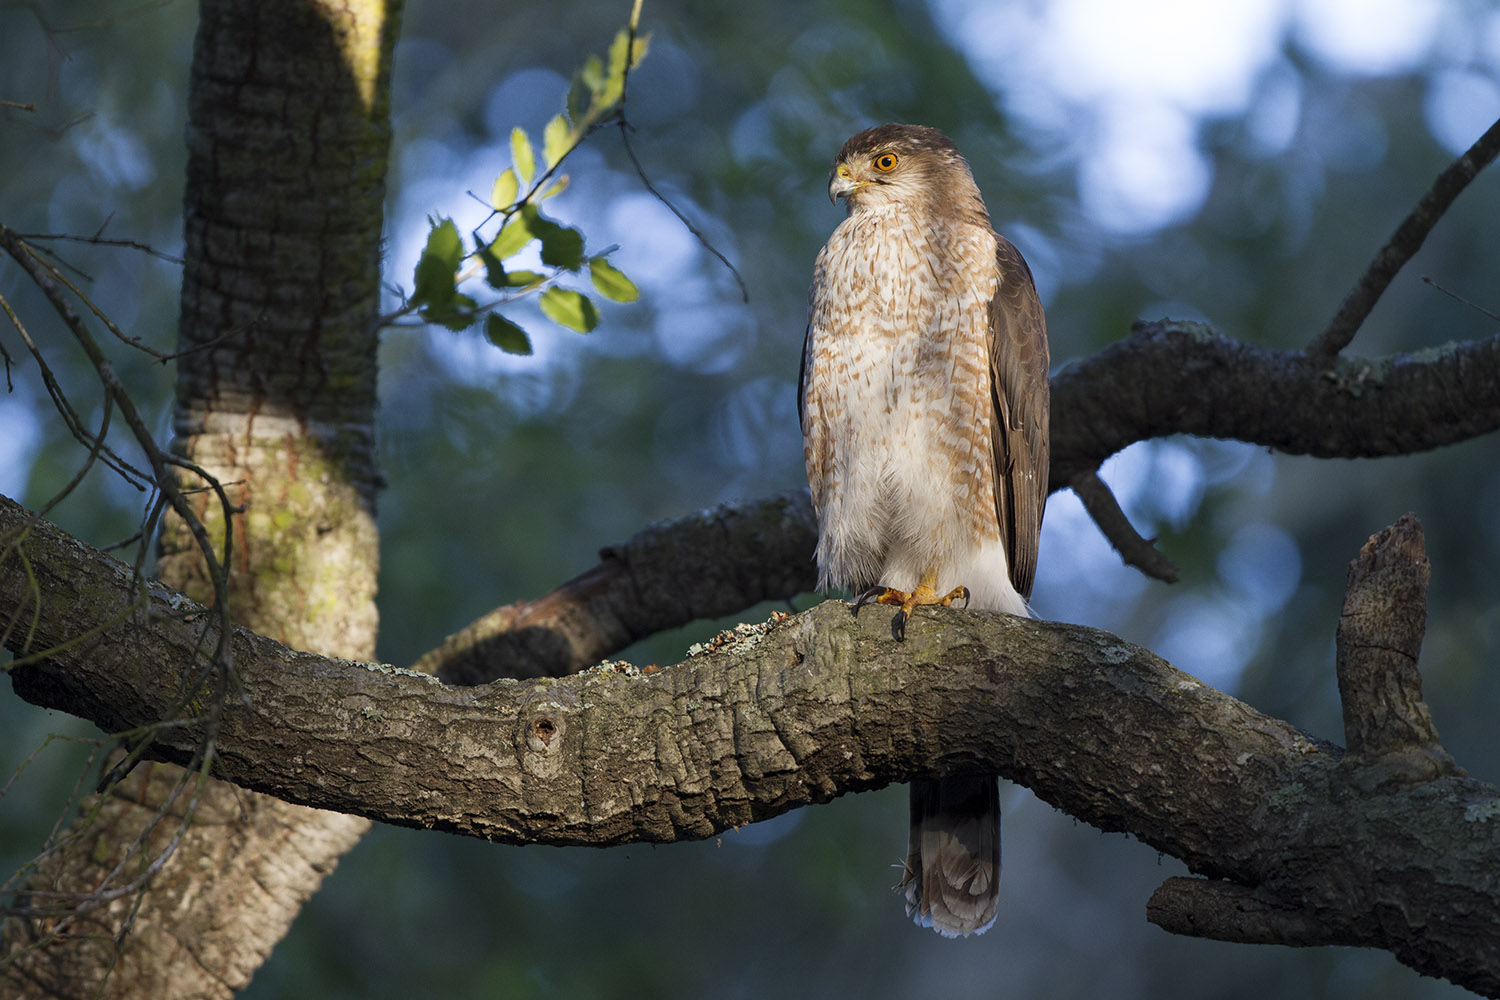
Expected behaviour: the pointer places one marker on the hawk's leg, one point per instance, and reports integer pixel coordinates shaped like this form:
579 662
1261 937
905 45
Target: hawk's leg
925 594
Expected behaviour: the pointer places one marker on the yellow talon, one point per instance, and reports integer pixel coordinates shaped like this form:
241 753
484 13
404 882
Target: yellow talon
925 594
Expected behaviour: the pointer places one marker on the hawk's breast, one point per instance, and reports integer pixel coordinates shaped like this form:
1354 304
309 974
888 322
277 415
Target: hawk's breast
897 400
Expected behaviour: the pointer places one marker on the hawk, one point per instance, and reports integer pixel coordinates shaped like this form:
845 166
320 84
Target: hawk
923 399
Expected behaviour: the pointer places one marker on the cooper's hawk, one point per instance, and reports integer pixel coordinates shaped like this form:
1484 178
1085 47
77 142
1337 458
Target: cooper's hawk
923 399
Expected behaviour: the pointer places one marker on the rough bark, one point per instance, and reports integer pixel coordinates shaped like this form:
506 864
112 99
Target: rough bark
824 704
288 136
1379 642
1187 378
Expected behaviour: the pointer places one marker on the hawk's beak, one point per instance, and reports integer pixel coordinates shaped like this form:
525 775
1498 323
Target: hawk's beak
842 183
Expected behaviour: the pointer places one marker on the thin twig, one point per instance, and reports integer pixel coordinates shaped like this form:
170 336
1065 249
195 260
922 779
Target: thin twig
210 343
1102 506
8 360
1459 298
96 240
1402 245
109 324
625 128
60 401
41 274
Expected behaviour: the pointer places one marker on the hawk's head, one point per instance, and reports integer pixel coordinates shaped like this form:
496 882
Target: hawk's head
892 164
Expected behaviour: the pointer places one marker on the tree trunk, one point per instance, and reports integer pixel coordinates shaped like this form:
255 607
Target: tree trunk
288 138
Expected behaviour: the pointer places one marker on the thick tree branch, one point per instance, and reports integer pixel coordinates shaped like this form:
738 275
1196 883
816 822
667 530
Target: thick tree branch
1227 911
820 705
1186 378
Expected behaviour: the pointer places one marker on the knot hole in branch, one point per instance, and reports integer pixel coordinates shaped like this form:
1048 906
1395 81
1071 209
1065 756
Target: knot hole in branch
543 731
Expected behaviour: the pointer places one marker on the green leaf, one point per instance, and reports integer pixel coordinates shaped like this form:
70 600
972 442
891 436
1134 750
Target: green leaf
457 314
614 83
515 235
592 75
523 279
613 87
445 241
522 154
562 246
437 268
580 96
611 282
557 140
570 309
494 268
558 187
506 335
506 187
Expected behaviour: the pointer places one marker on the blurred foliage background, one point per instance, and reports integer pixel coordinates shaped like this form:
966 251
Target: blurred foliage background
1237 162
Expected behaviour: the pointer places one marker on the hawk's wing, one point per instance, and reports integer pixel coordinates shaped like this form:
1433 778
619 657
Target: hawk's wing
1020 391
802 379
815 443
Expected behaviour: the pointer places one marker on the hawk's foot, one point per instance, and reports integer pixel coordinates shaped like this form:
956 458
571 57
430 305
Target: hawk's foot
923 596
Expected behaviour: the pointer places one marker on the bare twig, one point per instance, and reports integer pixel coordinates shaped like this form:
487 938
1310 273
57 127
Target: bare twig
111 20
625 130
1402 245
1102 506
99 241
42 275
6 358
99 314
1459 298
71 420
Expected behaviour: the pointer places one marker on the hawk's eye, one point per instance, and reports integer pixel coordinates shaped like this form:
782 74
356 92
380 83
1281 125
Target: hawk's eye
885 162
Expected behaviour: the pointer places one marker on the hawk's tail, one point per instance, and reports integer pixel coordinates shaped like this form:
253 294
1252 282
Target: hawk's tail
952 878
